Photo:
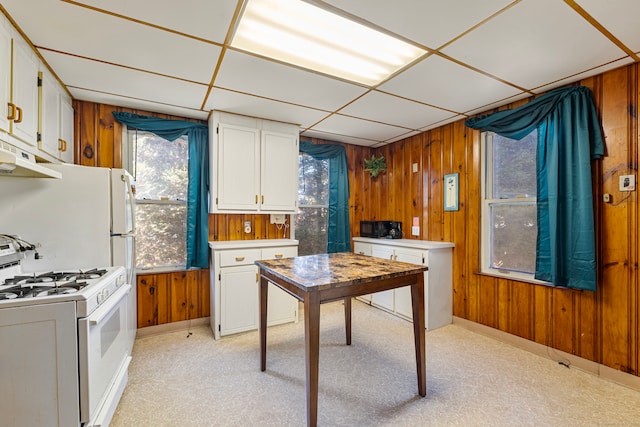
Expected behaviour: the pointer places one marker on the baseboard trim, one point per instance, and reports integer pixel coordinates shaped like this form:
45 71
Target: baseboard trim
182 325
550 353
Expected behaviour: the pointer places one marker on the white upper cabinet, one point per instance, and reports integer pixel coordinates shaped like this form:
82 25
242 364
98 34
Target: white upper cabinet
37 113
254 164
56 127
5 74
23 107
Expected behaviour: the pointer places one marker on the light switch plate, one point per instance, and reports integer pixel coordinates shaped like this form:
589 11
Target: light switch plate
627 182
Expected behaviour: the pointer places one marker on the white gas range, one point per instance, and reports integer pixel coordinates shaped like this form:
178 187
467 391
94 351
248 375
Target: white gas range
65 346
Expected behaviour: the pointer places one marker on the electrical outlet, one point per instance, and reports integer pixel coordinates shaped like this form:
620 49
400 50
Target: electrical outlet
247 227
627 183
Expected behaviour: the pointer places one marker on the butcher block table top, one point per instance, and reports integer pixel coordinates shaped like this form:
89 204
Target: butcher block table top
316 279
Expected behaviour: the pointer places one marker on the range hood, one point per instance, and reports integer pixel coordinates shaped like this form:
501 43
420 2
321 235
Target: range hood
17 163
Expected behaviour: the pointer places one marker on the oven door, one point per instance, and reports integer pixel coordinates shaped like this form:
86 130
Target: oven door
103 356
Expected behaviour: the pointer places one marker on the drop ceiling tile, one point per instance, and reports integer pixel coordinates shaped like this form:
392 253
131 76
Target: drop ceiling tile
358 128
620 17
100 77
136 104
586 74
328 136
431 23
534 43
80 31
239 103
497 104
250 74
393 110
445 84
207 19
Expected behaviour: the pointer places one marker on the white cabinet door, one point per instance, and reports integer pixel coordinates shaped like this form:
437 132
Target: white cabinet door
239 299
238 167
25 92
281 307
279 171
50 108
403 295
5 74
66 128
384 299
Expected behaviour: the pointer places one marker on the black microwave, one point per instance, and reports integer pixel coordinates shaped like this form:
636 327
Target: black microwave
381 229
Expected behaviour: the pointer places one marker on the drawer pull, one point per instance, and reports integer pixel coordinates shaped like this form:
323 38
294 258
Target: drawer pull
239 258
279 255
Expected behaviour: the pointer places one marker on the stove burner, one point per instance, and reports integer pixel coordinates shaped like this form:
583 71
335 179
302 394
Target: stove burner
8 295
51 277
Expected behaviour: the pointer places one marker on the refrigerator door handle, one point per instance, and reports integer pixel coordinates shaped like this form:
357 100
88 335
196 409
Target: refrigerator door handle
132 199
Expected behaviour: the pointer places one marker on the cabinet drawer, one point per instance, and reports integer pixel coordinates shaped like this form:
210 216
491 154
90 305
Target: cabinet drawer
282 252
239 257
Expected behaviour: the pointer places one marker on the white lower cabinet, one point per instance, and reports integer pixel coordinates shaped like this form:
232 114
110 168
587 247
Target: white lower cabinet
438 286
235 282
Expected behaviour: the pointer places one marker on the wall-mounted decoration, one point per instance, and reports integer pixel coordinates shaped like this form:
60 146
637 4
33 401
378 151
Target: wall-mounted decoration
375 165
451 192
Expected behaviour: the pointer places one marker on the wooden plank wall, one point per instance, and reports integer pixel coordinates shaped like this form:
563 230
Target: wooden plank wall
600 326
603 327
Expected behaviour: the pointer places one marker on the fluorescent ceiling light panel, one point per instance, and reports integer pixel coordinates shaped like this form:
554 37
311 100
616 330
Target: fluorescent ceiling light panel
305 35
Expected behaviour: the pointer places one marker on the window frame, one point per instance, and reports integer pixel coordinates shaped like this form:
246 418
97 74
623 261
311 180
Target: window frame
128 162
486 202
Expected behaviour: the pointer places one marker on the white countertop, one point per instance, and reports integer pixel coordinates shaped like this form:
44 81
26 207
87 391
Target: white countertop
243 244
408 243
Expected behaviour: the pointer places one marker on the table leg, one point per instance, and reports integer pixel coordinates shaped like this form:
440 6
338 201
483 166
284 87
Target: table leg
347 319
417 304
264 287
312 346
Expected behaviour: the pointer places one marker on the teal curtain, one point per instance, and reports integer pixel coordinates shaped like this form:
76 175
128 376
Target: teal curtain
339 232
569 137
198 187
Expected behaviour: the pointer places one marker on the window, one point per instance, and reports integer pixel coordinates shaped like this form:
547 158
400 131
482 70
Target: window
313 205
509 219
160 168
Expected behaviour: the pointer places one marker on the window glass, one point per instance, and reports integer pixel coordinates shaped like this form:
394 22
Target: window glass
160 168
313 205
509 226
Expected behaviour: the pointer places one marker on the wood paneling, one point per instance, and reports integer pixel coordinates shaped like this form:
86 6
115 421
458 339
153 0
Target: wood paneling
601 326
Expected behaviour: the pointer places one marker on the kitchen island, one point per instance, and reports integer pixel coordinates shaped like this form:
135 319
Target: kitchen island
317 279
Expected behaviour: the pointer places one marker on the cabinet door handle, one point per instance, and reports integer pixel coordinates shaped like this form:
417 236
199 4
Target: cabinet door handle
19 119
60 145
263 199
12 109
256 199
391 257
239 258
64 145
278 255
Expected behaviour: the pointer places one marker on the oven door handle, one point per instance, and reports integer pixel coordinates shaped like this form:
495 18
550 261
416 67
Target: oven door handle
112 301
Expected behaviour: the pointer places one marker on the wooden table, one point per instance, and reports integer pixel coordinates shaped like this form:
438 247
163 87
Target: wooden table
317 279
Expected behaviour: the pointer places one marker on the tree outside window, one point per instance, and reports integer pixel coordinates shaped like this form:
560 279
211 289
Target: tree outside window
509 229
160 168
310 224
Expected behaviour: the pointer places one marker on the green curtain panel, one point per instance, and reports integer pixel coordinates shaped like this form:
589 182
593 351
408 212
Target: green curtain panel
569 137
198 186
338 228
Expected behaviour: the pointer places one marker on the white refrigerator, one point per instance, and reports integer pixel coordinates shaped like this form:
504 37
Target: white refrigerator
84 220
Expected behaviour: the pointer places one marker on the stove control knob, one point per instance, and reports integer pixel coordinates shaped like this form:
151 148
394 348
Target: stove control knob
99 298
